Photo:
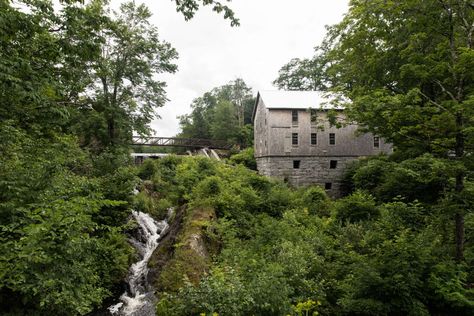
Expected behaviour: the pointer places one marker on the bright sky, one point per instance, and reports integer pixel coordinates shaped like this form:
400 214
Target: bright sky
211 53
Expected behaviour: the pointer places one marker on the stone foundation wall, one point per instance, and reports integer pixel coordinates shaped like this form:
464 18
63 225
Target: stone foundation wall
312 170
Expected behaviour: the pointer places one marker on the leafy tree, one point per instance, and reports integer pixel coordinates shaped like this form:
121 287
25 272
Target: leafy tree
356 207
71 73
411 88
239 94
303 74
189 7
197 123
124 79
279 247
423 178
29 55
224 125
57 255
224 113
245 157
406 70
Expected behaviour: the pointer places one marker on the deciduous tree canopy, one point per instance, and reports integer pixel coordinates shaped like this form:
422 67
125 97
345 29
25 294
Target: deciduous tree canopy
224 113
406 68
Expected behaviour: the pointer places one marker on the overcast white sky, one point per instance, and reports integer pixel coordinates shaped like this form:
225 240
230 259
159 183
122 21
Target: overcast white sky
211 53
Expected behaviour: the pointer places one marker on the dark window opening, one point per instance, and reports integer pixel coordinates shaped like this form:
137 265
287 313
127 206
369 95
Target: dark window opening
328 185
314 139
294 116
376 142
333 164
294 138
314 116
296 164
332 139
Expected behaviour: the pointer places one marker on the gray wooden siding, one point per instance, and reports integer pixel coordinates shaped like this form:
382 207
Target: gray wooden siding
348 142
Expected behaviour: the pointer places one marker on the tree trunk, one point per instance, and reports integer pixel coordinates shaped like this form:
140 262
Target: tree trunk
459 216
111 130
240 113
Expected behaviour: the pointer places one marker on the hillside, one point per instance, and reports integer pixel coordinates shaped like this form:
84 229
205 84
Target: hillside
249 245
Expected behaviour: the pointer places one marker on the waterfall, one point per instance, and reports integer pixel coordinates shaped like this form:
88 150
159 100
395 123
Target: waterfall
138 300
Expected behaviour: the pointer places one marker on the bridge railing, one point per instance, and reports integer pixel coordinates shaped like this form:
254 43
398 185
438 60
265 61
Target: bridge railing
180 142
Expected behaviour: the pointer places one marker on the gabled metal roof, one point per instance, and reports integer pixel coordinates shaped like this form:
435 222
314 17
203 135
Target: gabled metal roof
278 99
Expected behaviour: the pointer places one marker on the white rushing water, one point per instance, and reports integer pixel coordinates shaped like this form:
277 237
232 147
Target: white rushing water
137 301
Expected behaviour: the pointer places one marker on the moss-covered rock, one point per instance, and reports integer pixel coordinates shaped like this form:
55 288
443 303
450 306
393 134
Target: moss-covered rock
185 253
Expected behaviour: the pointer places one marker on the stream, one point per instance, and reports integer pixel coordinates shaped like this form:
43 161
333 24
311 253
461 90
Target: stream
139 300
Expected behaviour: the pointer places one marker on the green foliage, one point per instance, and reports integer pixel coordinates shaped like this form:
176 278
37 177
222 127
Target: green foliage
418 105
316 200
358 206
73 73
123 78
424 178
147 169
447 283
403 71
117 185
224 113
245 135
306 308
223 291
303 74
58 255
370 173
276 249
389 276
189 7
245 157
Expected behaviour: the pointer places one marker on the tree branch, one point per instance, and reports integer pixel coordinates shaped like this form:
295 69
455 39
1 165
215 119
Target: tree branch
435 103
446 91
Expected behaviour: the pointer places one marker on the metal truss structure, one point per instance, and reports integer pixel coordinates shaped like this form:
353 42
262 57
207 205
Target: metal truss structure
180 142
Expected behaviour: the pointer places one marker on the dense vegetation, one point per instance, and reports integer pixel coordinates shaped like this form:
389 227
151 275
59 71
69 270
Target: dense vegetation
385 249
405 71
224 113
76 79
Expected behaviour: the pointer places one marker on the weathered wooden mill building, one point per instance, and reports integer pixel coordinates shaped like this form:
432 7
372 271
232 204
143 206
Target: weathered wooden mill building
295 142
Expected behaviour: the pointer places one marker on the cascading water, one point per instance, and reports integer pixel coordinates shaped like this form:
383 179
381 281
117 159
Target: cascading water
138 300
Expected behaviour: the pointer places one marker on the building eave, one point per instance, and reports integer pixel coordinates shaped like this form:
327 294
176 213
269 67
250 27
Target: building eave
255 107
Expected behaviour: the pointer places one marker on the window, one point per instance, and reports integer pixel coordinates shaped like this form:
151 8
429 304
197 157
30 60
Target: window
294 138
314 116
314 139
328 185
296 164
332 164
332 139
376 142
294 116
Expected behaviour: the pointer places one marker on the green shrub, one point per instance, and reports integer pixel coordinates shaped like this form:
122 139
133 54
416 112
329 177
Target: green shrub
147 169
423 178
245 157
316 200
358 206
369 174
446 282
